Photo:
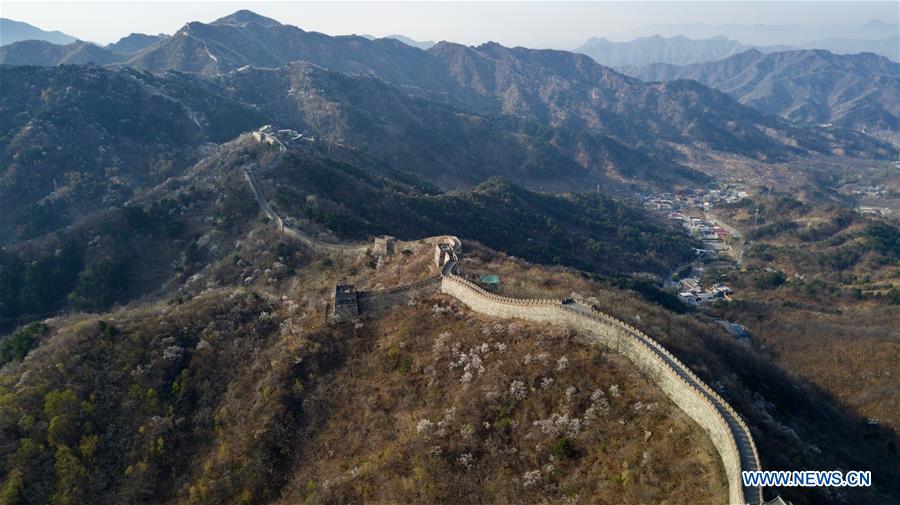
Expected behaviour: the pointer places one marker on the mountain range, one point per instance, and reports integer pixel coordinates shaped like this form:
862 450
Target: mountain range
680 50
677 50
550 87
14 31
813 87
453 115
556 88
763 34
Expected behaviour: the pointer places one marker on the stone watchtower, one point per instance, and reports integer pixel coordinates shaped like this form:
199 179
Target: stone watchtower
442 254
345 303
385 245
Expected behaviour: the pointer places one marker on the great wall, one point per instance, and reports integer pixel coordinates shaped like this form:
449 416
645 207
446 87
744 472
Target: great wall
728 431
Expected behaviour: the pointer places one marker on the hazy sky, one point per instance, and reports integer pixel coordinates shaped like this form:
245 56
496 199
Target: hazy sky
533 24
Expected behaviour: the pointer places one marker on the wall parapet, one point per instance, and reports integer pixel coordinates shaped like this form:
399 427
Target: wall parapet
682 385
434 280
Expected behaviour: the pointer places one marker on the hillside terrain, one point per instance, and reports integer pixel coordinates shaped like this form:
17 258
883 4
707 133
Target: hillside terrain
158 409
42 189
631 56
47 54
583 230
888 47
820 286
157 241
813 87
372 411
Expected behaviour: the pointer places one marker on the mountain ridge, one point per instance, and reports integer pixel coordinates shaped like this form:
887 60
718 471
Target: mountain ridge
677 50
14 31
807 86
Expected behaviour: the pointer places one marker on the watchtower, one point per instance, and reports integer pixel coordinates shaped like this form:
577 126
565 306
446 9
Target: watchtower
442 254
385 245
345 303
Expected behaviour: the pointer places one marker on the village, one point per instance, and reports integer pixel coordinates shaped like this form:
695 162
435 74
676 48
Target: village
721 242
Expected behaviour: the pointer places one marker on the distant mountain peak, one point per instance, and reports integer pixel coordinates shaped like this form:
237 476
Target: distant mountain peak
135 42
421 44
14 31
656 48
245 16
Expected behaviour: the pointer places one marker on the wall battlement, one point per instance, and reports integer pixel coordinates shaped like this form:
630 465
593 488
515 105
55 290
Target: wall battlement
729 433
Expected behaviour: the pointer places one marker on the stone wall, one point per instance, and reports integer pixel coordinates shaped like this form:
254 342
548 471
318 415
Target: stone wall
288 231
373 301
686 390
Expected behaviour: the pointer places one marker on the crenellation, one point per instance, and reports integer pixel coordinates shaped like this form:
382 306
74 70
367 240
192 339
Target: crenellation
690 393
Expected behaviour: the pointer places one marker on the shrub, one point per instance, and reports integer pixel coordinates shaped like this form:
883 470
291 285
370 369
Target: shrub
563 449
19 344
768 280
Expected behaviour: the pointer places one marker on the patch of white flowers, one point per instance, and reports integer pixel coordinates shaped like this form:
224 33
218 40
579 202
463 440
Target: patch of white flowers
440 344
531 478
599 406
442 425
541 358
424 426
466 459
558 424
517 390
614 391
471 362
562 363
441 309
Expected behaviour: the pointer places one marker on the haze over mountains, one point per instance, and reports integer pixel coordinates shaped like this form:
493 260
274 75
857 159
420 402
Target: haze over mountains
14 31
812 87
765 35
680 50
420 44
